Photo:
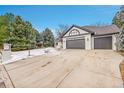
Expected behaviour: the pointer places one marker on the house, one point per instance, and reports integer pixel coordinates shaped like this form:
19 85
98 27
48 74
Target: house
39 44
90 37
58 43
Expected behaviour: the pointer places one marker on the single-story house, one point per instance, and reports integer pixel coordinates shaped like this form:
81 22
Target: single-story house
90 37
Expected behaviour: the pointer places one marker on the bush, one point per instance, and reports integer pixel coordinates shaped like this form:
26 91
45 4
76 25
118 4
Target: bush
19 49
120 41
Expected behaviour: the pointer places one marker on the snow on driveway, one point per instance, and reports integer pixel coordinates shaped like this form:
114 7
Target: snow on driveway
35 52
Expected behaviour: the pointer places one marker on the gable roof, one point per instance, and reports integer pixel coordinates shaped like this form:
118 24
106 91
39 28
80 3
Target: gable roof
95 30
111 29
79 28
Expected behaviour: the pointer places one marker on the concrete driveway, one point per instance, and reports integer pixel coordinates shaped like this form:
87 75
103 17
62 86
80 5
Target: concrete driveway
69 68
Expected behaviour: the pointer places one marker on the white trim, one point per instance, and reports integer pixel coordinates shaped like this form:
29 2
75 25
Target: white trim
102 36
92 42
88 42
76 37
64 43
75 28
114 40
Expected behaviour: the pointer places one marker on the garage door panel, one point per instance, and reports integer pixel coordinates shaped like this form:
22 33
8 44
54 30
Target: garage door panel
75 44
103 43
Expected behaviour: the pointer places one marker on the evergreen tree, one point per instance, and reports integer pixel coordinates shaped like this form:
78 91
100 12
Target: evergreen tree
119 21
14 30
38 36
48 38
3 30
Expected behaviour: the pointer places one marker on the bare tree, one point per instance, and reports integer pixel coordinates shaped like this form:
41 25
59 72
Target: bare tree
61 30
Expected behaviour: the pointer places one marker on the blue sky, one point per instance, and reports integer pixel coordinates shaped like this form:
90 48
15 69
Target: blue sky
51 16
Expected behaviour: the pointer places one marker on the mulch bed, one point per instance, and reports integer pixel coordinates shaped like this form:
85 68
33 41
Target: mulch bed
2 85
121 66
122 70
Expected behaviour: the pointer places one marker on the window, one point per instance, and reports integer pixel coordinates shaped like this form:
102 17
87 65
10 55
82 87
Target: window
74 32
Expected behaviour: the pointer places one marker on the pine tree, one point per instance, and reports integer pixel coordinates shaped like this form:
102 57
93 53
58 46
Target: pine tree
14 30
119 21
48 38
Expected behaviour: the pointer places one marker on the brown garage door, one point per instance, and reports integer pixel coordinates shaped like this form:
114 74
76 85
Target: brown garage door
103 43
75 44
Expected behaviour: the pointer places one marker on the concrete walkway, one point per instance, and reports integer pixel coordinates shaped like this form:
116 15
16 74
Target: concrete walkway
70 68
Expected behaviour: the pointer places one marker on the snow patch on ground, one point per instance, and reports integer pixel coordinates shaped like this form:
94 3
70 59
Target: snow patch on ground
35 52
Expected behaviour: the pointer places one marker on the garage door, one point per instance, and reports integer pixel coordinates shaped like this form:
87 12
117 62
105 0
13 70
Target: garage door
103 43
75 44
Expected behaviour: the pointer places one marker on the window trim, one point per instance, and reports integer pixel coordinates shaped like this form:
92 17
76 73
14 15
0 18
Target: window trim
75 31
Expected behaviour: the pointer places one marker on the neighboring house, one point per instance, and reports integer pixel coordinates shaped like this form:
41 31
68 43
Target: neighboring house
90 37
39 44
58 43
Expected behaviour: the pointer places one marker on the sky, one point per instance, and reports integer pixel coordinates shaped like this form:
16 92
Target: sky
42 16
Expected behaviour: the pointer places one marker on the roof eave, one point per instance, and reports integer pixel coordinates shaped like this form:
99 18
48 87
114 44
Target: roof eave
77 27
106 34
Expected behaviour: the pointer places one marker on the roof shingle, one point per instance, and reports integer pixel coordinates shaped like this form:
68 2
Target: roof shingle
102 30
